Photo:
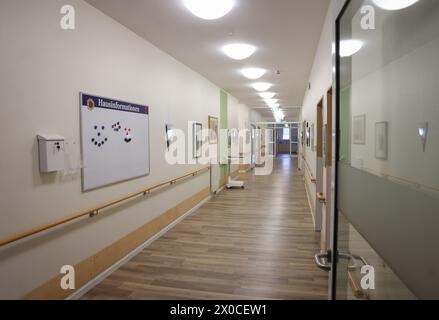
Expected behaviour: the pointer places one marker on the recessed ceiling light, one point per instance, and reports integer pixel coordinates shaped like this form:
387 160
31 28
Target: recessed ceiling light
350 47
393 4
279 116
267 95
271 101
209 9
261 86
239 51
253 73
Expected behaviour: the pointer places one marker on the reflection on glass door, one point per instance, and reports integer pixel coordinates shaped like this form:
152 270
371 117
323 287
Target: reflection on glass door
387 204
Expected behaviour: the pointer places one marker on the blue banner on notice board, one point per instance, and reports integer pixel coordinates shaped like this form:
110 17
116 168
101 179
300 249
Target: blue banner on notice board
92 102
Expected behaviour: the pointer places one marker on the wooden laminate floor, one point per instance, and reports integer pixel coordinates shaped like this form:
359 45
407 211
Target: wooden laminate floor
256 243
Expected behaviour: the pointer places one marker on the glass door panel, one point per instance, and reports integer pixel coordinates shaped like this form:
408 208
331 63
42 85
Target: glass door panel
387 204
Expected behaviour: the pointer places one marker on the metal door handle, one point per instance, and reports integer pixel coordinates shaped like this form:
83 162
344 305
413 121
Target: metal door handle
323 260
318 258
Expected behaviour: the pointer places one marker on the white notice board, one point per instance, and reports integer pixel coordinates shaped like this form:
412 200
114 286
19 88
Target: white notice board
114 141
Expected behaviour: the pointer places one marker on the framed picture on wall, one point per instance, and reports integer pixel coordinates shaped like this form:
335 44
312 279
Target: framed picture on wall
325 128
308 136
169 135
359 129
381 140
234 136
213 130
197 132
312 138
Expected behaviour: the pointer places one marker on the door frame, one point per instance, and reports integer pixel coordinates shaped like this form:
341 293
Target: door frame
253 136
339 8
319 202
328 161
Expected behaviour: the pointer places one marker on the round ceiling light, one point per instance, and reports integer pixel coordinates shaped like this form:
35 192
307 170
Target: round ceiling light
350 47
209 9
239 51
253 73
271 101
394 5
261 86
267 95
274 106
279 116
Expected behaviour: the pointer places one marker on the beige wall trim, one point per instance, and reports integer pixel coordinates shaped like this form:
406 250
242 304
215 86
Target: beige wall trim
96 210
90 270
223 182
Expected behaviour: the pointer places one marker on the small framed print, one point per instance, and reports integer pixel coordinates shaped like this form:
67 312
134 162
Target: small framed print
359 129
169 135
197 140
213 130
325 128
381 140
308 136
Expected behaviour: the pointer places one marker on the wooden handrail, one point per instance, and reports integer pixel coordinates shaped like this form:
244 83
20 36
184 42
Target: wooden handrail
321 197
355 285
94 211
308 168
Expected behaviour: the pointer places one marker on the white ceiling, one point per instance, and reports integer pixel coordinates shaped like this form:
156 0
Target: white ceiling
291 113
286 33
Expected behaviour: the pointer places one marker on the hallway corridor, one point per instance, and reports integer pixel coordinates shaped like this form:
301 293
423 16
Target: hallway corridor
256 243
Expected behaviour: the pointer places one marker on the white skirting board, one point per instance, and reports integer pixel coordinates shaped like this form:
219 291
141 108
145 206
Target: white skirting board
101 277
219 190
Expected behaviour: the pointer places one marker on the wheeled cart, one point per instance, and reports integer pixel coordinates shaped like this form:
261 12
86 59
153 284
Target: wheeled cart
233 184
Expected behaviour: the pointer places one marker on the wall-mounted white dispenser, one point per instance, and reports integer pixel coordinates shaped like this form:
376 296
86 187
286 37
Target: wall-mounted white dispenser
51 153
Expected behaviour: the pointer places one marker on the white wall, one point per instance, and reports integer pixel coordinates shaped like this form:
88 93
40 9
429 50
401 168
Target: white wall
403 93
321 81
255 116
238 118
43 69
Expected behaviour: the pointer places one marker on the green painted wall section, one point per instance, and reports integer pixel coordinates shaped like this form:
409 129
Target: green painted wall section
345 125
224 123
